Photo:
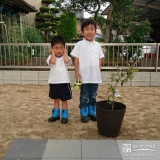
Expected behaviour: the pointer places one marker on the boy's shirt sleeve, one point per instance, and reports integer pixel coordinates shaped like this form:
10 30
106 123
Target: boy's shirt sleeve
70 62
49 57
75 50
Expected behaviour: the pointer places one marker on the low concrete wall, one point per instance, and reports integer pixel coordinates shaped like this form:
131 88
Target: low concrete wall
41 78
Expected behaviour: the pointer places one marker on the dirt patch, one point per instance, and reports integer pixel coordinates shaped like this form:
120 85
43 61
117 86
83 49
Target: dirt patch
24 110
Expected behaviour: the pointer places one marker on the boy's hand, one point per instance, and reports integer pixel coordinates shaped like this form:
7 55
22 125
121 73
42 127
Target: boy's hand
65 56
51 51
78 76
65 52
53 56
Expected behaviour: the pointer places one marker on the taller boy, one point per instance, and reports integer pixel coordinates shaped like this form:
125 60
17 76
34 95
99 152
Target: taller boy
88 59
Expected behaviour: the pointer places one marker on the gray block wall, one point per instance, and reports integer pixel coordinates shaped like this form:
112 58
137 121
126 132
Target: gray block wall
41 78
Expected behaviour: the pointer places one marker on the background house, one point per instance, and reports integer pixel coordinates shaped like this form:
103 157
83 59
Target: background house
150 11
15 8
30 18
25 11
12 9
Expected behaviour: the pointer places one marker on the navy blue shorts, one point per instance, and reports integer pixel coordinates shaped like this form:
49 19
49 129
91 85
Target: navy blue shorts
60 91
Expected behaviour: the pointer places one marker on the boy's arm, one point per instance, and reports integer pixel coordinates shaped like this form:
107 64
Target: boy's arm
76 64
50 51
53 57
65 56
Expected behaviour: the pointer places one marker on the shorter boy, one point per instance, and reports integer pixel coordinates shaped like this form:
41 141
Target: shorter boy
59 80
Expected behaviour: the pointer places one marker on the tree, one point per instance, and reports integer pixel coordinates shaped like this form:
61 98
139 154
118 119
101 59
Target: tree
90 6
125 21
120 14
68 26
46 19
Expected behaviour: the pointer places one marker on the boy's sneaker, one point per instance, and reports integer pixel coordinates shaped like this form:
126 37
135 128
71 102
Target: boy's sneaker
64 114
92 113
116 94
55 115
84 114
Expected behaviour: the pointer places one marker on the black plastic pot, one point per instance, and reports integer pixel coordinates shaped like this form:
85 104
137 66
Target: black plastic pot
109 121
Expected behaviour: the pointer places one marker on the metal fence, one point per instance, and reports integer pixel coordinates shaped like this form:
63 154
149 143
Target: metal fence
144 56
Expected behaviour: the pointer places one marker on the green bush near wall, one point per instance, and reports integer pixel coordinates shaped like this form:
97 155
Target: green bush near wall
68 26
32 35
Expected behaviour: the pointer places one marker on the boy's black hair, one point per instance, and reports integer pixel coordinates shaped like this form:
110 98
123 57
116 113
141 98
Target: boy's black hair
58 39
88 22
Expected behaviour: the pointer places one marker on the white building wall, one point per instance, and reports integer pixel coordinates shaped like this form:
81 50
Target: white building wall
41 78
30 18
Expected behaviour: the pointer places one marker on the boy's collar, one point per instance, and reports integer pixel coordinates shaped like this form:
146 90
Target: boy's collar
59 56
89 41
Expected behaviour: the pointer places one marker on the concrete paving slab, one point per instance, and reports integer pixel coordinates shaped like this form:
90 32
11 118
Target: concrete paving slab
139 149
60 158
24 159
102 159
100 149
62 149
25 149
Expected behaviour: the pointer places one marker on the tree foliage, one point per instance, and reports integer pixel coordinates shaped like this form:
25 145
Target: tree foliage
32 35
68 26
120 76
15 33
125 21
46 19
90 6
121 15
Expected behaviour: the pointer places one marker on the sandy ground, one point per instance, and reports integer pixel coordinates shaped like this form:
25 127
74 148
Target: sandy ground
24 111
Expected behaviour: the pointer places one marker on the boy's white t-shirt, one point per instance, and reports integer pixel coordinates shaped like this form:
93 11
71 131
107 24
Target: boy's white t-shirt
59 71
89 54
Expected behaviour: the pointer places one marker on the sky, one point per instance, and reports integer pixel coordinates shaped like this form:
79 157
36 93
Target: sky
87 15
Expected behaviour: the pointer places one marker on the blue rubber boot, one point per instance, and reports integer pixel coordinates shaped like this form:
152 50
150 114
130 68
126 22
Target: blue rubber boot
64 114
84 114
92 113
55 115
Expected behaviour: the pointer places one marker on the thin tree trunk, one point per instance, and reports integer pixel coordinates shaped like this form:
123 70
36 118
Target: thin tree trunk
108 26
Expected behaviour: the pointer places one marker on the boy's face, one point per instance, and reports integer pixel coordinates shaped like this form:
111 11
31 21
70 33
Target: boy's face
58 49
89 32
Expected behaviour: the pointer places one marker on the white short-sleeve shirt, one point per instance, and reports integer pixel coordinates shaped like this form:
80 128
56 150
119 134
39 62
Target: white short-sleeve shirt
89 54
59 71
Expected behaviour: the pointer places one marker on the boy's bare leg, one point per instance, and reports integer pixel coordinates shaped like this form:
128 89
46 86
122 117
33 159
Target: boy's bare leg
64 105
56 103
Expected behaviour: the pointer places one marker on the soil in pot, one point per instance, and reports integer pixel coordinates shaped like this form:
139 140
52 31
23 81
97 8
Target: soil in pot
109 121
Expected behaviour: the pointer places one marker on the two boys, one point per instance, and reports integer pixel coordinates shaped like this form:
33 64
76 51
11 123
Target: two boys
88 59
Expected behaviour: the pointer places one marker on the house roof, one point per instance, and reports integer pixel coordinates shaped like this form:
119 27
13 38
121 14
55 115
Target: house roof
150 9
19 6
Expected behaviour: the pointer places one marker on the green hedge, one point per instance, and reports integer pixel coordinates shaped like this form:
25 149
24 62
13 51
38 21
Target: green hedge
68 26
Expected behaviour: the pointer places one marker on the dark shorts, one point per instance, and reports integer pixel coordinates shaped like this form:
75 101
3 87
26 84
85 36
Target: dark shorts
60 91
